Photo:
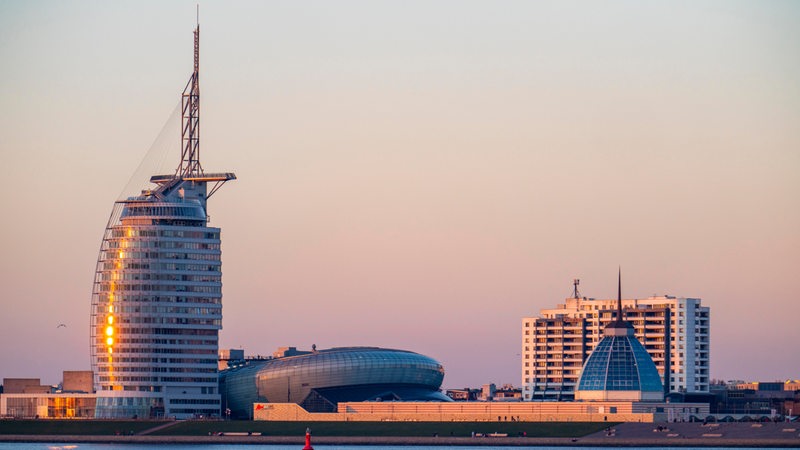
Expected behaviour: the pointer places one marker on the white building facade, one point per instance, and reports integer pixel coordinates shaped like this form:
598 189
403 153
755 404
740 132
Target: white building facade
157 298
555 345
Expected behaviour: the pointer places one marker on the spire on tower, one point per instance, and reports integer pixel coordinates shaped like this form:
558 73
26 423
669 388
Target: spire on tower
189 168
190 122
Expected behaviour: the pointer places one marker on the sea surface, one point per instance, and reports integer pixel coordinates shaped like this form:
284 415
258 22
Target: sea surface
57 446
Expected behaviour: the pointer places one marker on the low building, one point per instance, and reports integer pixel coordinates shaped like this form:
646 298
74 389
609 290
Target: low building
24 386
507 393
755 401
463 395
48 405
487 412
28 398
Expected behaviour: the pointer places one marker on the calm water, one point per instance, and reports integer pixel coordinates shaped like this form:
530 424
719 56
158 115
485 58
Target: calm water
56 446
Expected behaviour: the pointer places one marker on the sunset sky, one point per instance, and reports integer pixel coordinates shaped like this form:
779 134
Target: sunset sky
415 174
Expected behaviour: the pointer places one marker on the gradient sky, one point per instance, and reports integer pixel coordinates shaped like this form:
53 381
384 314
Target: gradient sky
417 175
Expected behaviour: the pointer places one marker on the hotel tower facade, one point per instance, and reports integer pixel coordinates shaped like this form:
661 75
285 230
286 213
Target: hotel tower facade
157 298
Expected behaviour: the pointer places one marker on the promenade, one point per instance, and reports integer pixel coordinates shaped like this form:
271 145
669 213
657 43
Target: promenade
623 435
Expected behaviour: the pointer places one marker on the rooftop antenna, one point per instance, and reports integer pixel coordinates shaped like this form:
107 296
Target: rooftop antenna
575 293
189 168
619 295
190 113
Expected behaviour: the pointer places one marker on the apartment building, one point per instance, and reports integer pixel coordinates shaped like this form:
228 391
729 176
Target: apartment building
673 330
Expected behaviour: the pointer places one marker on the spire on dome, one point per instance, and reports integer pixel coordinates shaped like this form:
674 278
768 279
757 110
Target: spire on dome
619 322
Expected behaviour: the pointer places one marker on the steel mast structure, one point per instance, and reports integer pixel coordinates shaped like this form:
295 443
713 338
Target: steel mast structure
157 297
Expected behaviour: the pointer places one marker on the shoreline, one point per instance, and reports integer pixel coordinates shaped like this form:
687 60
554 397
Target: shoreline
591 441
673 435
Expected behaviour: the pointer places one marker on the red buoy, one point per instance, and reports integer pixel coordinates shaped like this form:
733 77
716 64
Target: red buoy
308 440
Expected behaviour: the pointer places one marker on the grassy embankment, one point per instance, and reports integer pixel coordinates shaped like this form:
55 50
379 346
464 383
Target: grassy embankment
203 428
76 427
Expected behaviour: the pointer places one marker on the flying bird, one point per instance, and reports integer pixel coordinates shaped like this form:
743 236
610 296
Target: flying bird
61 325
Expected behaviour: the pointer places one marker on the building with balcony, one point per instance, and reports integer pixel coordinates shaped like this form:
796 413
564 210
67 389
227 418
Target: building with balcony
557 343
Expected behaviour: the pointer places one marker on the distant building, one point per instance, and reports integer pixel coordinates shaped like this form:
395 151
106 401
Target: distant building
755 400
788 385
555 345
27 398
230 358
487 392
507 393
25 386
283 352
463 395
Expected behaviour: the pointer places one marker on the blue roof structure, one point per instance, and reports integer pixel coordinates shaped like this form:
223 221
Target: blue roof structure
319 380
620 363
619 368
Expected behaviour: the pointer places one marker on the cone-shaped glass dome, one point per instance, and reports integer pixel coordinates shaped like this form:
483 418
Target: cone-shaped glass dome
619 368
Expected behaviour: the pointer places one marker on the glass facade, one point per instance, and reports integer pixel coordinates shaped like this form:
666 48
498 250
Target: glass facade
157 299
157 308
620 363
319 380
52 406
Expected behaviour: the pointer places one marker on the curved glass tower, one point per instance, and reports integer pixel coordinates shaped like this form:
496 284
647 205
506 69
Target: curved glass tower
157 297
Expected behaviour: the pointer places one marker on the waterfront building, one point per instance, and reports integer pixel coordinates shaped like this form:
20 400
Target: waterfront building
28 398
47 405
156 305
320 379
487 412
675 331
619 368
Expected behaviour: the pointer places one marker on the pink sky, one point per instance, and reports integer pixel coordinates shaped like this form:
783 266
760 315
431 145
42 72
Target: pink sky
417 175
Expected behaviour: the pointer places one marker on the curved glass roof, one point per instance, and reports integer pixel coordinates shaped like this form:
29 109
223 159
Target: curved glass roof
620 363
343 374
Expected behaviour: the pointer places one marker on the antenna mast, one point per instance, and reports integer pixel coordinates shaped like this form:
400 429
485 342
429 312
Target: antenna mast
190 123
619 295
575 293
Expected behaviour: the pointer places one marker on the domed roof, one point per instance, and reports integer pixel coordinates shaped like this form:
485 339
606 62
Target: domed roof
619 368
321 379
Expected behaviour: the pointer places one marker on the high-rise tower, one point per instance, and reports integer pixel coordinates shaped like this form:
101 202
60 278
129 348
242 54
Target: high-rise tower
157 297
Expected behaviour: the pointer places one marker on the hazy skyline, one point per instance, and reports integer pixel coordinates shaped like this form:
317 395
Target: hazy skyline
416 175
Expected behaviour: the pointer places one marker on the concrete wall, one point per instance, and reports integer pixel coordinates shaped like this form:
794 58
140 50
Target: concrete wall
455 412
77 381
23 385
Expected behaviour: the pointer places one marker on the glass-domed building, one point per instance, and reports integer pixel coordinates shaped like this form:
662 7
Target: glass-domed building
619 368
319 380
